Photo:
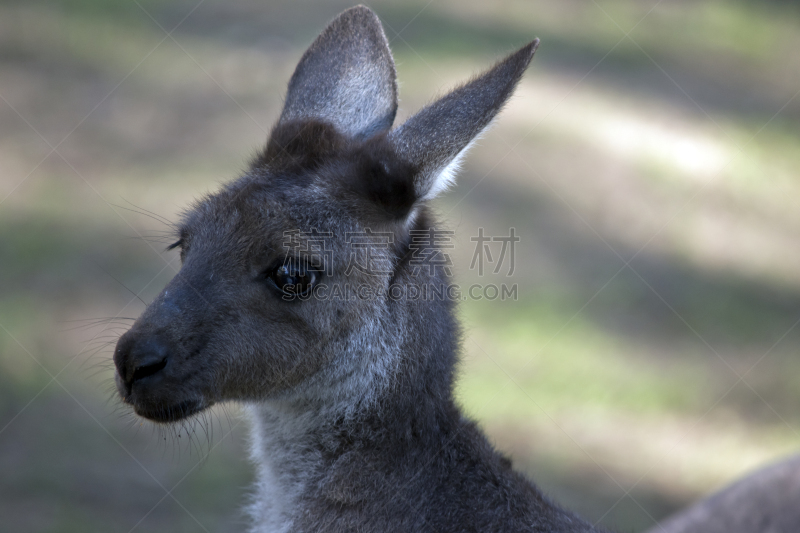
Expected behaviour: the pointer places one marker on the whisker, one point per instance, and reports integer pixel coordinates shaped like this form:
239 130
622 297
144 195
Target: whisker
144 212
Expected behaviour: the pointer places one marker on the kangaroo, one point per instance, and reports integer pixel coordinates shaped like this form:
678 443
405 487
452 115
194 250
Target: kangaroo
354 425
349 390
766 501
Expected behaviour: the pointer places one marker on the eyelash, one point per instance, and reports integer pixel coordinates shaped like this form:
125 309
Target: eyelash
176 244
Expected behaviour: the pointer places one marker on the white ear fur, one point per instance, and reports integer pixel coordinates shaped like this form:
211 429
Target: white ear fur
446 178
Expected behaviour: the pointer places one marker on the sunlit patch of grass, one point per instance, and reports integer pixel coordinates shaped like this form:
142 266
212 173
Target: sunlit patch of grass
732 181
534 357
107 42
552 387
737 155
629 400
752 30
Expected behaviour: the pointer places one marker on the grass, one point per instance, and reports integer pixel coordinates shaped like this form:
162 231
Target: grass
597 377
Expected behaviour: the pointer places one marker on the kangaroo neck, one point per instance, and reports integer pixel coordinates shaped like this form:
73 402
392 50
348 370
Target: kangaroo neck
299 449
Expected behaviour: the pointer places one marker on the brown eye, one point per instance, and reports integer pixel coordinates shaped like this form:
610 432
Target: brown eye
293 278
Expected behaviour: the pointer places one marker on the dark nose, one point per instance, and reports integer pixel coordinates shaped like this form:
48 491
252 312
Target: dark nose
139 358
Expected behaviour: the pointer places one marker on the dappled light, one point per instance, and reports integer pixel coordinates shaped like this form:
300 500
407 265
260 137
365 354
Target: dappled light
649 164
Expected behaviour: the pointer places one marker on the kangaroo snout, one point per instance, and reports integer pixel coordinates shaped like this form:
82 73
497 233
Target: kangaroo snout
155 376
139 361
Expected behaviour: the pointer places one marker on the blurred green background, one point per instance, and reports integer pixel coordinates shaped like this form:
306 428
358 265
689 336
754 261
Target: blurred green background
649 162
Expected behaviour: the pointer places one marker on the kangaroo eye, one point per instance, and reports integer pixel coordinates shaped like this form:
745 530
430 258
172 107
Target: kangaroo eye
293 278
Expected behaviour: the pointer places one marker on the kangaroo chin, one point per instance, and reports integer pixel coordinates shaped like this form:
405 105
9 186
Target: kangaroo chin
169 413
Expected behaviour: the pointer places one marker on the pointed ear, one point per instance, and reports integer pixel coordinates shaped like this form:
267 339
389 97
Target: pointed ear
435 139
347 77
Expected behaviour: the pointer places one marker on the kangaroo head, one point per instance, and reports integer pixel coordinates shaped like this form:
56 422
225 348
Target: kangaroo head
335 190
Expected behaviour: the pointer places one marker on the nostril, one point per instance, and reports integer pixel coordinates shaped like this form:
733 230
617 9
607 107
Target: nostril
148 369
144 357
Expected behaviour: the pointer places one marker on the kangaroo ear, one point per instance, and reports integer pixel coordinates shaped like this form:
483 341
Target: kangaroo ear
347 77
435 139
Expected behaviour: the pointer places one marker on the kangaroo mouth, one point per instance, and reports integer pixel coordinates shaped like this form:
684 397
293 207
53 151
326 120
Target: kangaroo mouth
169 413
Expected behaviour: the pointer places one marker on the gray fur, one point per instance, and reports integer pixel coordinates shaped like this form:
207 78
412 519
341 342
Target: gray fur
346 77
767 501
354 423
435 137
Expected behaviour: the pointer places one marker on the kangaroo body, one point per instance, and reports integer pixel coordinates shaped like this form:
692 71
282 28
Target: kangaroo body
766 501
294 297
